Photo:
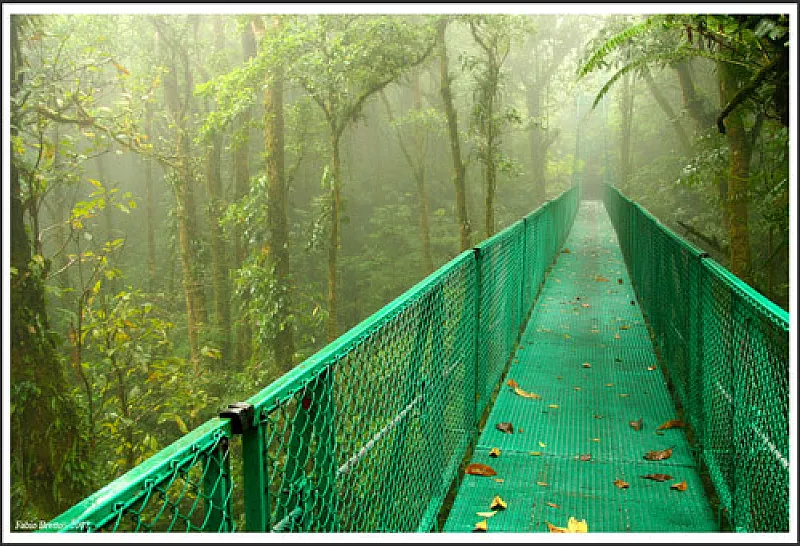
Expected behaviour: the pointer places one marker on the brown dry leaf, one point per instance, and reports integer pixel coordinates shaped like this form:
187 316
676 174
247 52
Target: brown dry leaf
526 394
586 365
620 281
542 484
573 526
479 469
624 327
651 368
552 505
596 416
508 428
481 526
636 425
600 278
498 504
658 477
659 455
621 484
495 452
672 423
486 514
566 251
586 457
584 305
512 383
679 486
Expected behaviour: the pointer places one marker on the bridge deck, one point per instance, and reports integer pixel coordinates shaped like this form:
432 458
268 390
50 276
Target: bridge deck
586 314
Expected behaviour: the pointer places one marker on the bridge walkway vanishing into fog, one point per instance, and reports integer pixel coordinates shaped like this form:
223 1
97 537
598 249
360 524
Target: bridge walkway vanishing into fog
541 376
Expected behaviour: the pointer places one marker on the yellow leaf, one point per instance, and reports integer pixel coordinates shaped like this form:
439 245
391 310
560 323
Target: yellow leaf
535 453
541 484
541 444
499 480
679 486
586 365
621 484
526 394
481 526
554 406
573 526
486 514
552 504
122 69
181 425
495 452
498 504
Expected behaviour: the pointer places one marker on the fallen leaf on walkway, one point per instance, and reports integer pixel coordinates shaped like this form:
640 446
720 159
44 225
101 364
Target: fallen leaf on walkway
609 384
596 416
621 484
486 514
585 305
651 368
541 484
481 526
620 281
624 395
658 477
552 505
542 444
586 365
495 452
576 388
586 457
535 453
566 251
499 480
679 486
658 455
625 327
480 469
498 504
595 331
595 439
508 428
600 278
616 336
636 425
573 526
566 336
553 406
525 394
672 423
512 383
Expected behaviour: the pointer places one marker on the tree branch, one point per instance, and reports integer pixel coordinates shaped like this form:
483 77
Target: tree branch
744 93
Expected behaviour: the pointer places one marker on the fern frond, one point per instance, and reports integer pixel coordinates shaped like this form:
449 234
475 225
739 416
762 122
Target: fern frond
612 44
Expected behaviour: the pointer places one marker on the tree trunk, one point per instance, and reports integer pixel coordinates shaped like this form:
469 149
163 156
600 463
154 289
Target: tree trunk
219 258
491 167
683 138
331 327
626 106
278 222
45 430
178 105
459 173
241 175
738 177
150 206
422 181
536 138
691 101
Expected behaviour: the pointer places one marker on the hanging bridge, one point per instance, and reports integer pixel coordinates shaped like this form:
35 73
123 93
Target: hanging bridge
583 363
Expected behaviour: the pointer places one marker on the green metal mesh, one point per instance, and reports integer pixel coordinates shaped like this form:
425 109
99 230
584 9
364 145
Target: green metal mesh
367 434
727 354
185 487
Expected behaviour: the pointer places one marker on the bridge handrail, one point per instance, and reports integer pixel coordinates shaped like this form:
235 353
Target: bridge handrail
726 352
385 412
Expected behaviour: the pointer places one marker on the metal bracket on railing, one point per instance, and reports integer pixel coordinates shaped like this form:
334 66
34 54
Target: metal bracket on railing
241 415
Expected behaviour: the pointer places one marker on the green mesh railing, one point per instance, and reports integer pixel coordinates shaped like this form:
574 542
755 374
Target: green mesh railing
367 435
726 350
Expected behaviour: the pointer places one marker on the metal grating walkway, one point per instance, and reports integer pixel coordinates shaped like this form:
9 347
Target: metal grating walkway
586 313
